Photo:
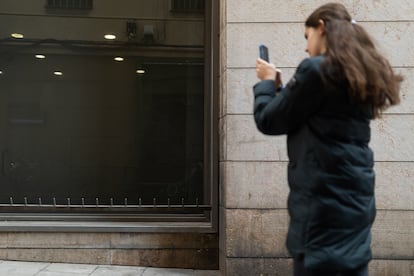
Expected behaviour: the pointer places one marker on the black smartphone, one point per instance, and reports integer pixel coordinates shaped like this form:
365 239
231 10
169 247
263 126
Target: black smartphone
264 52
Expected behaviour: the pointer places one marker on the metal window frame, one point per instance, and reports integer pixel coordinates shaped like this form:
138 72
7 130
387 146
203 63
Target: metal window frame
179 6
69 4
142 218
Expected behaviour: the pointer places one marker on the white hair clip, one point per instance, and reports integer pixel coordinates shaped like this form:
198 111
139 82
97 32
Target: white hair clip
353 21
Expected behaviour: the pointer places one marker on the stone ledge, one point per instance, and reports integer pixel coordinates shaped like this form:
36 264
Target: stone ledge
182 250
177 258
254 233
284 266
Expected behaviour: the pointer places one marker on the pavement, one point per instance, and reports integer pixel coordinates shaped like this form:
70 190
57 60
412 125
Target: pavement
18 268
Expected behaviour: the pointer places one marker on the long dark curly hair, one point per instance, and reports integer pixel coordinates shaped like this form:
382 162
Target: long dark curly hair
352 57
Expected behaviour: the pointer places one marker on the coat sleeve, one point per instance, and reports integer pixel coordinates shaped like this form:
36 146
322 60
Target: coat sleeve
283 112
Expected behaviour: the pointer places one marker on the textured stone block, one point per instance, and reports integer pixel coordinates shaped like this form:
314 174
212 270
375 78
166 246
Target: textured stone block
259 267
163 240
262 233
297 10
392 138
264 185
256 185
246 143
393 235
82 256
274 10
391 267
150 249
394 40
240 88
180 258
284 267
372 10
406 93
287 43
241 80
57 240
394 185
3 240
256 233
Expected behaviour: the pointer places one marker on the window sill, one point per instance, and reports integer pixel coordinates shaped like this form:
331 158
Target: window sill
101 226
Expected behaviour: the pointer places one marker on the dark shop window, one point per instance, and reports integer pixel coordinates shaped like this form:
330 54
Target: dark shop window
104 108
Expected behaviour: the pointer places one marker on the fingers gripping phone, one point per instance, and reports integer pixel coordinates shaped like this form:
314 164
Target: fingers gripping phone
264 52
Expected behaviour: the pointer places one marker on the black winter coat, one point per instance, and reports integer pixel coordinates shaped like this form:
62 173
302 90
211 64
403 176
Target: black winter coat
330 173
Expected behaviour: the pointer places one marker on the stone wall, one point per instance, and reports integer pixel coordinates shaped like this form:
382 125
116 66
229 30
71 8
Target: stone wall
253 216
182 250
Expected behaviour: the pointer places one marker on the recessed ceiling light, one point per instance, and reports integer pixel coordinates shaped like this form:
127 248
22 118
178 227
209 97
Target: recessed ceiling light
40 56
119 59
1 72
110 36
140 71
17 35
58 73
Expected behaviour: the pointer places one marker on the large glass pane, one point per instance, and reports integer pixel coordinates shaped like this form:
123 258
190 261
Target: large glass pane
84 116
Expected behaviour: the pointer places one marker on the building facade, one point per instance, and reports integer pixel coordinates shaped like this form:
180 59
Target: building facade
107 145
218 197
253 166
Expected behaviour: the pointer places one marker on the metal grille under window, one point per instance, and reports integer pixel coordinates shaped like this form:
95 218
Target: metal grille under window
187 6
111 207
69 4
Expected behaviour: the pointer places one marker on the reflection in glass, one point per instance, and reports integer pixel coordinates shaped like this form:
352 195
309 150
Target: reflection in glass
82 116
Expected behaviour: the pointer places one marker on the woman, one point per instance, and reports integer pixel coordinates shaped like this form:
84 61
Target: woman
325 110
